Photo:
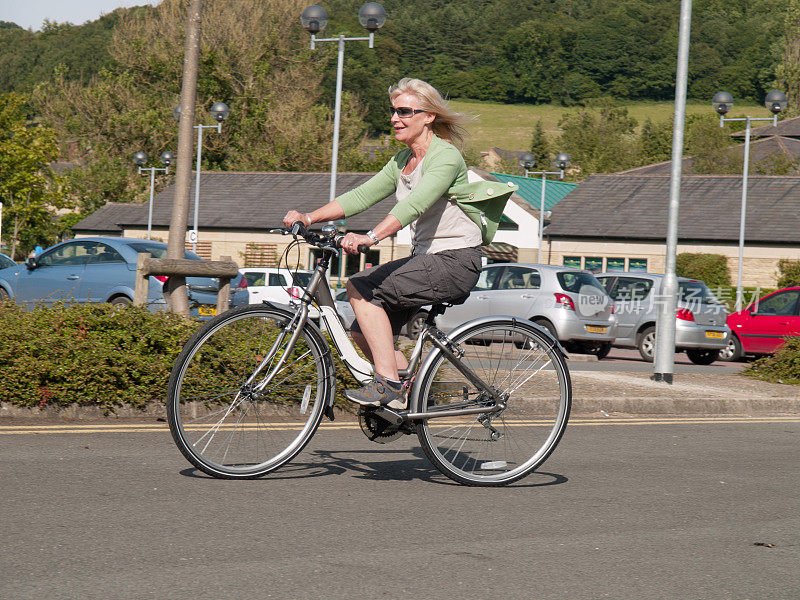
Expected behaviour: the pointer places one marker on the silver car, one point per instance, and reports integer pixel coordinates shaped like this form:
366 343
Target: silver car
700 328
570 303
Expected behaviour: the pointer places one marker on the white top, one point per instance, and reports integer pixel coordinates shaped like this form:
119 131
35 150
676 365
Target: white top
444 226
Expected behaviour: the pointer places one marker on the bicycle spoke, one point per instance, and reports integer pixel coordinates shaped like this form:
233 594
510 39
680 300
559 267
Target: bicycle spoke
497 448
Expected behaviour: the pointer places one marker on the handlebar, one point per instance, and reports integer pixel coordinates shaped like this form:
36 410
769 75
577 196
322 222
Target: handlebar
323 240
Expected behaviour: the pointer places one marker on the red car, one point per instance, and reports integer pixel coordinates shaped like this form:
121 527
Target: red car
761 327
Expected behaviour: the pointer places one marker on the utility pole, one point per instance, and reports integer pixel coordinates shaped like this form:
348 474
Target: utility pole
176 295
664 363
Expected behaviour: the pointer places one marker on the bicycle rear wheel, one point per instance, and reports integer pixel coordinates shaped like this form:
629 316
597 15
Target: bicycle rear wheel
232 421
523 364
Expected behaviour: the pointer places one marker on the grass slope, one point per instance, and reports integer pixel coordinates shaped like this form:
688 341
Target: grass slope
509 126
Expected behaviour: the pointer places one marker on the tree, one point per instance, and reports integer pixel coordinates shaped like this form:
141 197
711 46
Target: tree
28 187
655 141
709 145
255 57
600 138
787 73
540 146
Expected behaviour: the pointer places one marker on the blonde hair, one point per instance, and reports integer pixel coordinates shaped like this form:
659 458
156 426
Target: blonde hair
448 124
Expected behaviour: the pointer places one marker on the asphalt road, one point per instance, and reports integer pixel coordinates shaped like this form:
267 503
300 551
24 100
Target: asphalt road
629 508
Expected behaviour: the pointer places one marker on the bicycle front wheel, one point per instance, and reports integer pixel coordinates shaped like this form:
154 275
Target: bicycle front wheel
527 369
240 401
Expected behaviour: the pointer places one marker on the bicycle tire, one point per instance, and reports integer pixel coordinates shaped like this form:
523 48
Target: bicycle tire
519 359
225 426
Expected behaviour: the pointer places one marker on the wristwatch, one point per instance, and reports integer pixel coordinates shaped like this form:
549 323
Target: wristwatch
371 235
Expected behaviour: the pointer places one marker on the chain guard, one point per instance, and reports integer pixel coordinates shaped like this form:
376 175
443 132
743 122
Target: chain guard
380 430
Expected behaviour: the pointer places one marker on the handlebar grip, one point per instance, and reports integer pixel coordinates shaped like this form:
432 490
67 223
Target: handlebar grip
362 248
298 227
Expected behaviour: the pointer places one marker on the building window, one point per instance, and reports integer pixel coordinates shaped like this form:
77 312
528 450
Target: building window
572 261
372 258
615 264
637 264
593 263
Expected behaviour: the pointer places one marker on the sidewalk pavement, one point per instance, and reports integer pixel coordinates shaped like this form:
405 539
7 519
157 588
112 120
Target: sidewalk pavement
595 392
689 394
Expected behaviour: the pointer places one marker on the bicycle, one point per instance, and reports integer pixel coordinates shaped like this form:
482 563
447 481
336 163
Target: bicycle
489 402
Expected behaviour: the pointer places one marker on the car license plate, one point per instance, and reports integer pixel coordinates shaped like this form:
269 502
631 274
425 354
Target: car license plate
207 310
715 334
596 329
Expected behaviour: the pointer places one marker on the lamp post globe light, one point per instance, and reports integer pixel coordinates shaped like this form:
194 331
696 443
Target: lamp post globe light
220 112
140 159
527 162
722 102
372 16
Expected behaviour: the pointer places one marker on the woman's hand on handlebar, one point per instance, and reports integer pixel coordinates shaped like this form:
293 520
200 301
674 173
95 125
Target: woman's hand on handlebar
352 241
293 216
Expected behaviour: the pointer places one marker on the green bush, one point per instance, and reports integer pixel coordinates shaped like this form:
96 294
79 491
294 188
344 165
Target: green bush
89 355
781 367
789 273
710 268
96 355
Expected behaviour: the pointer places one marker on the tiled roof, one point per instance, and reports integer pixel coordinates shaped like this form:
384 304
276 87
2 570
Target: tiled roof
786 128
530 189
242 200
635 207
111 216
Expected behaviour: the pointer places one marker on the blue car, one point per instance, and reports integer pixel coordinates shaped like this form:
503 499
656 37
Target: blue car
103 269
5 262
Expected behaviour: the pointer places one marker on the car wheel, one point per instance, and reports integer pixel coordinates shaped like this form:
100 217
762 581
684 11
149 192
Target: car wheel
415 325
646 343
4 297
544 323
120 301
732 350
702 357
600 350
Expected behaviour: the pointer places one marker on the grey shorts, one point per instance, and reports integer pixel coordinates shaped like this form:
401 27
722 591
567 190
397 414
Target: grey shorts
402 286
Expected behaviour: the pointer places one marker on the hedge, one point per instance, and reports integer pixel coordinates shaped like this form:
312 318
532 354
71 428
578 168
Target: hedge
710 268
95 355
781 367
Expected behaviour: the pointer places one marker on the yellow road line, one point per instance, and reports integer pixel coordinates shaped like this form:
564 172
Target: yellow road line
350 425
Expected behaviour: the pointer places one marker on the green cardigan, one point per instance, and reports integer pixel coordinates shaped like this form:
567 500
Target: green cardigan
444 173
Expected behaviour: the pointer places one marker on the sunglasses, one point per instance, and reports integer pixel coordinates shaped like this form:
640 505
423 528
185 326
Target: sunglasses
404 112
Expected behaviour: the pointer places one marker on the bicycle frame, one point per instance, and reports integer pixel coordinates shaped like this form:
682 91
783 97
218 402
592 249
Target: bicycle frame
362 370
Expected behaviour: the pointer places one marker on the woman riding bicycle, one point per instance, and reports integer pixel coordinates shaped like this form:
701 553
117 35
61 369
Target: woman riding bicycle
449 217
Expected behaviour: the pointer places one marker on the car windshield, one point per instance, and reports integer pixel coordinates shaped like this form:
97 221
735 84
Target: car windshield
579 282
696 291
159 251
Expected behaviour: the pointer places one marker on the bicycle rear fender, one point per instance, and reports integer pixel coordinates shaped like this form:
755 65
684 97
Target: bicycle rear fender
414 393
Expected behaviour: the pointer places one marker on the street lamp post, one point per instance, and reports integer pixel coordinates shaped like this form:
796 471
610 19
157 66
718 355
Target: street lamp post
220 112
527 162
140 158
372 16
722 102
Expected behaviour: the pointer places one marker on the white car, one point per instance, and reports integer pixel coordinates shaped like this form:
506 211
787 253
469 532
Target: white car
274 284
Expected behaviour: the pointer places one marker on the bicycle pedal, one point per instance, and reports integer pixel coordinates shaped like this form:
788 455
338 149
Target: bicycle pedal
389 415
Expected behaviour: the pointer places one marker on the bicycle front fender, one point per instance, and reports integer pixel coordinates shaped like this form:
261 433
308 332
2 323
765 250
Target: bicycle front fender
433 354
290 310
